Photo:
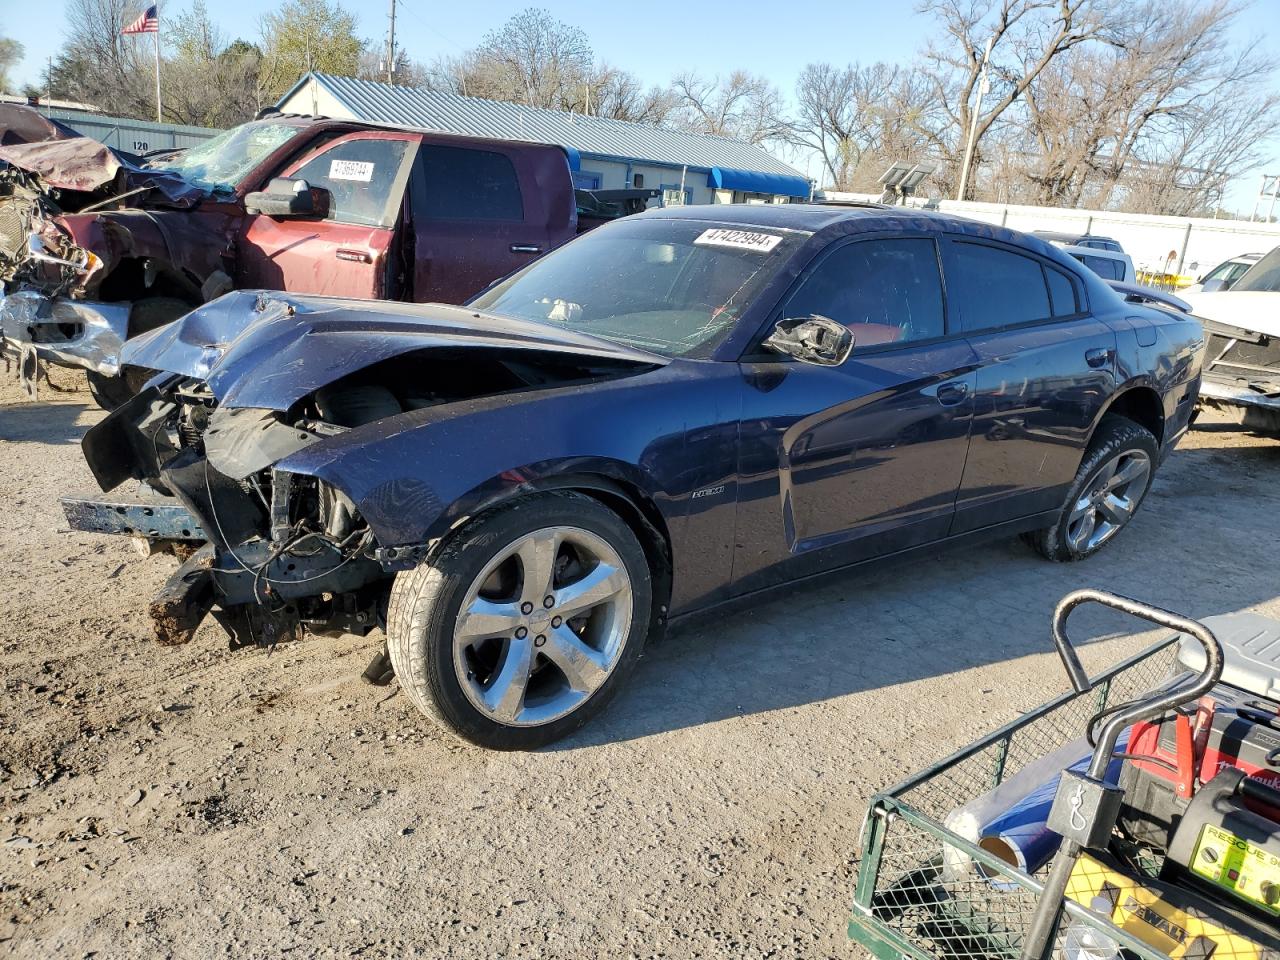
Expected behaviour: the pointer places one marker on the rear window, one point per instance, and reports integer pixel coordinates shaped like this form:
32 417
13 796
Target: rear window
463 184
1062 293
997 288
1104 267
1263 276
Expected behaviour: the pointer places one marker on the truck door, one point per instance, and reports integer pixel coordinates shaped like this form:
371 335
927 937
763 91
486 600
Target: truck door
473 222
348 253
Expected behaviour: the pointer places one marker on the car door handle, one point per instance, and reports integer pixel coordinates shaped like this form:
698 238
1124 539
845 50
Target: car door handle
525 248
1098 356
949 394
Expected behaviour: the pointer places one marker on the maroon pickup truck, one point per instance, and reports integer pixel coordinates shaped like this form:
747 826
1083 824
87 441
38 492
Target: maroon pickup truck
97 246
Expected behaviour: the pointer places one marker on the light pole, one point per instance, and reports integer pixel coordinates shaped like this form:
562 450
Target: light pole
971 140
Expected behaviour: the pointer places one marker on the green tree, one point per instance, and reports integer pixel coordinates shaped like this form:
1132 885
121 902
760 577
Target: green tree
306 35
10 54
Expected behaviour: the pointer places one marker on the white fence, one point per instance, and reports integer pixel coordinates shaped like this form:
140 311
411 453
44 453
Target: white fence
1196 243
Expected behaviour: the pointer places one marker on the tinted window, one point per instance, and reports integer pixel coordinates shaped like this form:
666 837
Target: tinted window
1103 267
1263 276
362 177
883 290
470 184
1062 293
997 288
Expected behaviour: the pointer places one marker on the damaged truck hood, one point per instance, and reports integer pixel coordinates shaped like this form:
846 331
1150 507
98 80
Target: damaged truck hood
269 350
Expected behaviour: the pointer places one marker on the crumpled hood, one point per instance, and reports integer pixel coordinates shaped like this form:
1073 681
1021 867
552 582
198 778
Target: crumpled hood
1254 310
268 350
85 165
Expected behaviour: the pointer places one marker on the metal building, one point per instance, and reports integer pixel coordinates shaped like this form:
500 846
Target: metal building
603 153
131 136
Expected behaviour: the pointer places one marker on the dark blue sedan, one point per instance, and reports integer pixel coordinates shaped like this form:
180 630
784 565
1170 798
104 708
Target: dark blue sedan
675 411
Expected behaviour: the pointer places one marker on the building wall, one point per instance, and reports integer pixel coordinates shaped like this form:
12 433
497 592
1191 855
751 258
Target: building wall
132 136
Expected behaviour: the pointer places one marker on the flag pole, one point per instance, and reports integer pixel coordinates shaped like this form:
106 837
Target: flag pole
157 38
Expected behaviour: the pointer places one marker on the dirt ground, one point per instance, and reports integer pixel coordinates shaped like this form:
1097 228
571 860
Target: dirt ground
195 802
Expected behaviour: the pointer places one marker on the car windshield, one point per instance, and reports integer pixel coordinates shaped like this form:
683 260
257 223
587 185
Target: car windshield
673 287
221 163
1263 276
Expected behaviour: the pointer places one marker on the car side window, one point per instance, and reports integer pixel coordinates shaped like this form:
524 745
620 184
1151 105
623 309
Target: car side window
996 287
363 177
462 184
1062 293
885 291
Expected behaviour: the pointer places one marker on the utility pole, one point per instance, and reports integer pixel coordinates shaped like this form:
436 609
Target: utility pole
971 141
391 42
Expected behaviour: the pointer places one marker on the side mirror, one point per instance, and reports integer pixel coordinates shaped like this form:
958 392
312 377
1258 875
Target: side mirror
1211 286
815 339
289 198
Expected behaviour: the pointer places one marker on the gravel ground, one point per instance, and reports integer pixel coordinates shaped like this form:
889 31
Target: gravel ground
193 802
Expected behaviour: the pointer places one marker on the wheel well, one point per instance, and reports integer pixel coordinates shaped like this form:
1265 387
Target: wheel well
1142 406
129 278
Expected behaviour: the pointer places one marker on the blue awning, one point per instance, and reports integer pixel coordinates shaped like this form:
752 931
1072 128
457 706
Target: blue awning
753 181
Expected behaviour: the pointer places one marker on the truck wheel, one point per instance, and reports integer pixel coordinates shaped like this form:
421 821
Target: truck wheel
146 315
1113 478
525 623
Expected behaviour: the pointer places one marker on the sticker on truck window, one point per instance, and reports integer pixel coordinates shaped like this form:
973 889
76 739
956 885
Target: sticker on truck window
738 239
361 170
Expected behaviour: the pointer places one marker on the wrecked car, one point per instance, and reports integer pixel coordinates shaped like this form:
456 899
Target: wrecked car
95 248
523 490
1242 364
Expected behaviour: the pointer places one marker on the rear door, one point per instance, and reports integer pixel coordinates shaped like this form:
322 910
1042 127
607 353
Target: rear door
474 220
1046 366
349 252
866 457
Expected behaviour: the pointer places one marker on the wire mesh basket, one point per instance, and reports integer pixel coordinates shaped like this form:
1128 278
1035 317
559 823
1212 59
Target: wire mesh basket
925 890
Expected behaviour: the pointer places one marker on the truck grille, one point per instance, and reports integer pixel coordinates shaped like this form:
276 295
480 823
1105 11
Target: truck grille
15 225
1243 357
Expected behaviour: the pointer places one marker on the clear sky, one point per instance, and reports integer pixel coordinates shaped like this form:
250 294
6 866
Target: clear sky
653 40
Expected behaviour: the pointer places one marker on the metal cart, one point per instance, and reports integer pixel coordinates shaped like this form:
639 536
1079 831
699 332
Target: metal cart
925 891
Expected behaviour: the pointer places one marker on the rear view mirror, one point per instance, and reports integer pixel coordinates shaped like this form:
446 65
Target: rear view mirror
289 198
817 339
1214 285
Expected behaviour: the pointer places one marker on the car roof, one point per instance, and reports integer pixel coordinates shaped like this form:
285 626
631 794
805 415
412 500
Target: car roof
830 219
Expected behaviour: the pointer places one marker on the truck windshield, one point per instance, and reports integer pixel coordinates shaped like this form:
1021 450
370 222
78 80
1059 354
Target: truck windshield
673 287
1263 276
221 163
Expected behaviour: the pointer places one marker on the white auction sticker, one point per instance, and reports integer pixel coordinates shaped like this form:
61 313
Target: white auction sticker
361 170
738 239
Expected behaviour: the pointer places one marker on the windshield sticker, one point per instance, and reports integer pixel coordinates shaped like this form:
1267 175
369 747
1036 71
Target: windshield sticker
361 170
738 239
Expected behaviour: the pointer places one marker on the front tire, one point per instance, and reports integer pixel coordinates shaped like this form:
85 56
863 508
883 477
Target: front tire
1112 481
525 623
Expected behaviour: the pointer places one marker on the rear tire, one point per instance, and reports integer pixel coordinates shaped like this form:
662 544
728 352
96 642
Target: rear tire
145 315
525 623
1112 481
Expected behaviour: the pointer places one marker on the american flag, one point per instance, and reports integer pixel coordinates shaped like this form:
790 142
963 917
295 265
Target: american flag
149 22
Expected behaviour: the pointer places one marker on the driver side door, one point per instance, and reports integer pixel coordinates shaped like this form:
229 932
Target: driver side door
348 253
840 464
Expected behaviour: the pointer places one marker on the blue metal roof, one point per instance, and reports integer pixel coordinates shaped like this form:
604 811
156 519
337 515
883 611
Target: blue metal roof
588 136
754 181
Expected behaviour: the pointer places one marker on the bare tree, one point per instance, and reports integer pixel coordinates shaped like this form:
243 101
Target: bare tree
742 105
98 65
1026 36
208 81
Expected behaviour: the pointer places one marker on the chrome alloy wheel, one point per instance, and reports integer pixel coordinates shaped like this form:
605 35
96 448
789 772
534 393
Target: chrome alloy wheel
542 626
1109 501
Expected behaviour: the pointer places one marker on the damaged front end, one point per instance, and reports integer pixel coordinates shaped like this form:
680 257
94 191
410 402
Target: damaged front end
255 393
274 551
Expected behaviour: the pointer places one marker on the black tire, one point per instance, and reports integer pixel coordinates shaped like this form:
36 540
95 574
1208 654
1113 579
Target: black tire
145 315
425 604
1117 440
